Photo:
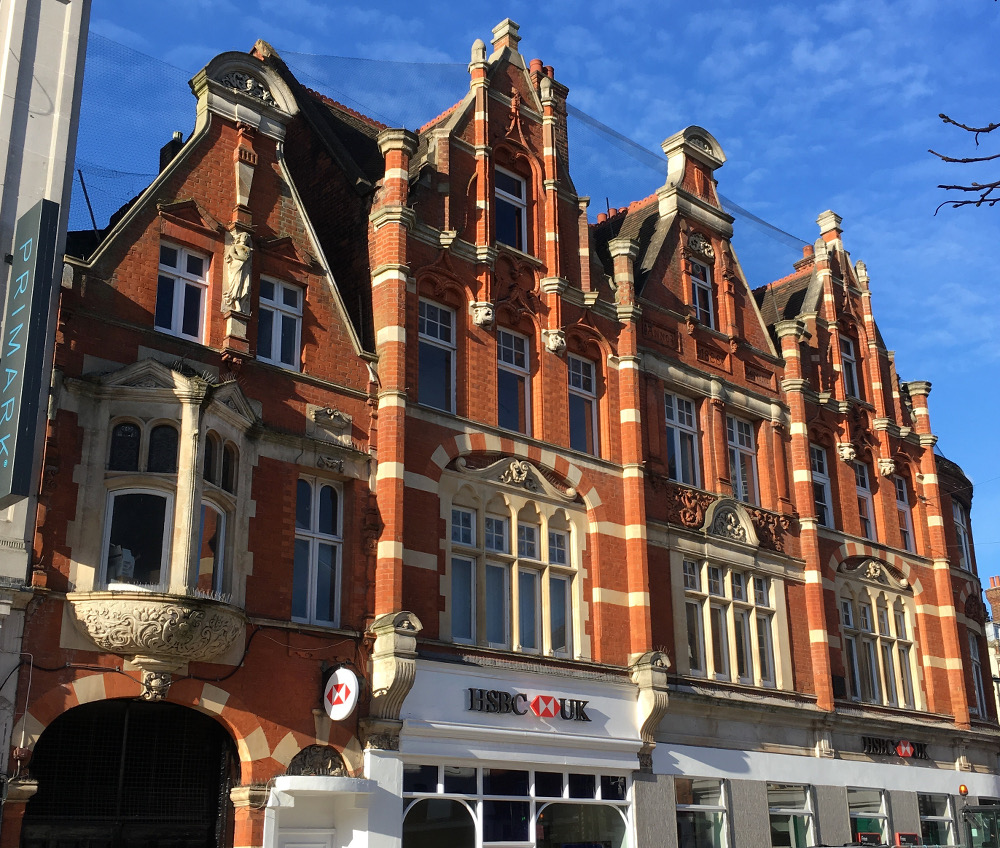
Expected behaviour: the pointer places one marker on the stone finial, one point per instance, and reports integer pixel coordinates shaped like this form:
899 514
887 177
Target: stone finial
918 388
505 34
478 52
829 221
862 271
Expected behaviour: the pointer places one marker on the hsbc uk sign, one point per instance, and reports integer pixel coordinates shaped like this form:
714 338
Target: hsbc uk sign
876 746
519 703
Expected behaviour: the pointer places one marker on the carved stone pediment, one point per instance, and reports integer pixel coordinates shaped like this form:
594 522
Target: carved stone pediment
329 424
231 396
190 213
872 570
145 374
517 474
728 519
317 760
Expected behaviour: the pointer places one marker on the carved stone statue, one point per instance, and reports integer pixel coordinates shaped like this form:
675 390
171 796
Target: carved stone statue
238 262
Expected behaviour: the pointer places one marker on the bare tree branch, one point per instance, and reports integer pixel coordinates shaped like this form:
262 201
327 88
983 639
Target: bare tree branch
976 130
965 161
984 190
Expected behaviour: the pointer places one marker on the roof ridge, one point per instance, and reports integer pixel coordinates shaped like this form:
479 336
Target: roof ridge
354 112
444 114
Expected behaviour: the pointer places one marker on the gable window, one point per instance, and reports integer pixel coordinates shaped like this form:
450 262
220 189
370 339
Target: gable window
582 405
180 292
850 365
742 459
964 552
904 513
513 376
511 209
526 601
436 379
682 440
821 485
279 324
866 509
701 294
318 541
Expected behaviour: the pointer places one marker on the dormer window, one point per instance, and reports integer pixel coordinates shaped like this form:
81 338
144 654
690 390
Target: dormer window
701 294
511 210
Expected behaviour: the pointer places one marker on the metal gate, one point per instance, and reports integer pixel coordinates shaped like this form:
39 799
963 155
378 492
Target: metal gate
131 773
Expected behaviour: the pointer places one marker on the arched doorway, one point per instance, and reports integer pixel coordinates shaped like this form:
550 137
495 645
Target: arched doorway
124 773
433 822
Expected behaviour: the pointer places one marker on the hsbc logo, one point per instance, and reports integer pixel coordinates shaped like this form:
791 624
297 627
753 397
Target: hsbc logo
543 706
894 747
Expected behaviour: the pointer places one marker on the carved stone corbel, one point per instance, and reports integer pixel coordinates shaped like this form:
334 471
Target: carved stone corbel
555 341
847 451
394 668
482 313
887 467
649 674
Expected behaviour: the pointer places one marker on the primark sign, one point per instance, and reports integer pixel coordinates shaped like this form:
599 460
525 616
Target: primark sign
22 347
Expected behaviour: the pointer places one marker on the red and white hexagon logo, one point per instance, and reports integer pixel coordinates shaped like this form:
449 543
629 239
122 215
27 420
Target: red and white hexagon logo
341 694
904 748
544 706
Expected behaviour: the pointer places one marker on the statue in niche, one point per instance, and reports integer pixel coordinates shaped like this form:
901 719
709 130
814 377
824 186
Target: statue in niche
238 261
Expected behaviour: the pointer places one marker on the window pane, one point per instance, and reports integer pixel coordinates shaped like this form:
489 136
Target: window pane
528 607
698 791
512 409
164 315
288 351
135 548
168 256
125 448
509 184
191 320
210 552
461 527
435 377
230 463
496 604
326 583
582 785
720 641
548 784
195 265
300 580
581 424
700 829
695 657
290 297
462 596
557 548
509 223
505 821
267 290
303 505
327 511
558 593
527 541
460 780
265 331
417 778
163 449
511 782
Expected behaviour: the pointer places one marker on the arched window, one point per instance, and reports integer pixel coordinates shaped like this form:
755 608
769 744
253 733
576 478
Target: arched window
230 464
210 576
162 450
209 471
125 441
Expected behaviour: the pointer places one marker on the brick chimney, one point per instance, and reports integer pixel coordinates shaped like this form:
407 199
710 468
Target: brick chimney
993 598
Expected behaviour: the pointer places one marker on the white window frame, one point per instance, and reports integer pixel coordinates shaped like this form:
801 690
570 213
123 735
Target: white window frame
181 278
905 513
882 815
743 457
979 690
518 208
702 298
877 649
165 552
866 503
507 354
580 372
962 535
822 497
315 537
431 340
279 310
948 819
682 438
803 812
849 362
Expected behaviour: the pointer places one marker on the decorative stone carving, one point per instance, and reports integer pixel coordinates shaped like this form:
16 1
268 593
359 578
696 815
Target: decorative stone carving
482 314
330 463
770 526
975 609
649 674
394 668
555 341
726 523
317 760
332 418
247 84
846 451
170 628
686 506
701 246
155 683
887 467
238 258
875 571
701 143
517 474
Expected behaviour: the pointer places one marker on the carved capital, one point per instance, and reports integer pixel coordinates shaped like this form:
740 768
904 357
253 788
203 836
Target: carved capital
649 674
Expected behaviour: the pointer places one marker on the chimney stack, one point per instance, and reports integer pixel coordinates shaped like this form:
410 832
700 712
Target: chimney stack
171 149
993 598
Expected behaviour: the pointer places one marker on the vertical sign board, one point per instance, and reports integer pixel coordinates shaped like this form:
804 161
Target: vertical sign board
22 347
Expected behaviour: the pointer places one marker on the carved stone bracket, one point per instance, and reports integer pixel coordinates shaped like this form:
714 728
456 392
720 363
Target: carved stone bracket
887 467
649 674
846 451
482 314
555 341
394 668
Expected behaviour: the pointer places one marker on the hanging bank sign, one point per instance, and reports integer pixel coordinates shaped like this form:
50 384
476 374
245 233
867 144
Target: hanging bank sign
22 348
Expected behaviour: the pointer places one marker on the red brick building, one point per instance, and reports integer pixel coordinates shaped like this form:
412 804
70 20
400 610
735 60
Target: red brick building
619 546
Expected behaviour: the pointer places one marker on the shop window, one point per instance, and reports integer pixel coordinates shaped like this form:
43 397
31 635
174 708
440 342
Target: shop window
701 812
527 602
790 810
582 405
979 707
904 513
180 292
877 648
742 459
513 381
436 378
963 553
822 499
866 509
682 439
701 294
937 824
869 810
511 210
736 616
279 324
316 571
849 361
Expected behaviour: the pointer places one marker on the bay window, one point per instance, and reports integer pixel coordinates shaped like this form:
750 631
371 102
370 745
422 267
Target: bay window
137 543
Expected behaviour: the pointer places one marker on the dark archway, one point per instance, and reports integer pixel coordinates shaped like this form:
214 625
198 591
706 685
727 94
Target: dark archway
131 773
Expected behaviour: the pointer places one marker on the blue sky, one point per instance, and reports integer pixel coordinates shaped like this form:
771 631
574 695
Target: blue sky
818 106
